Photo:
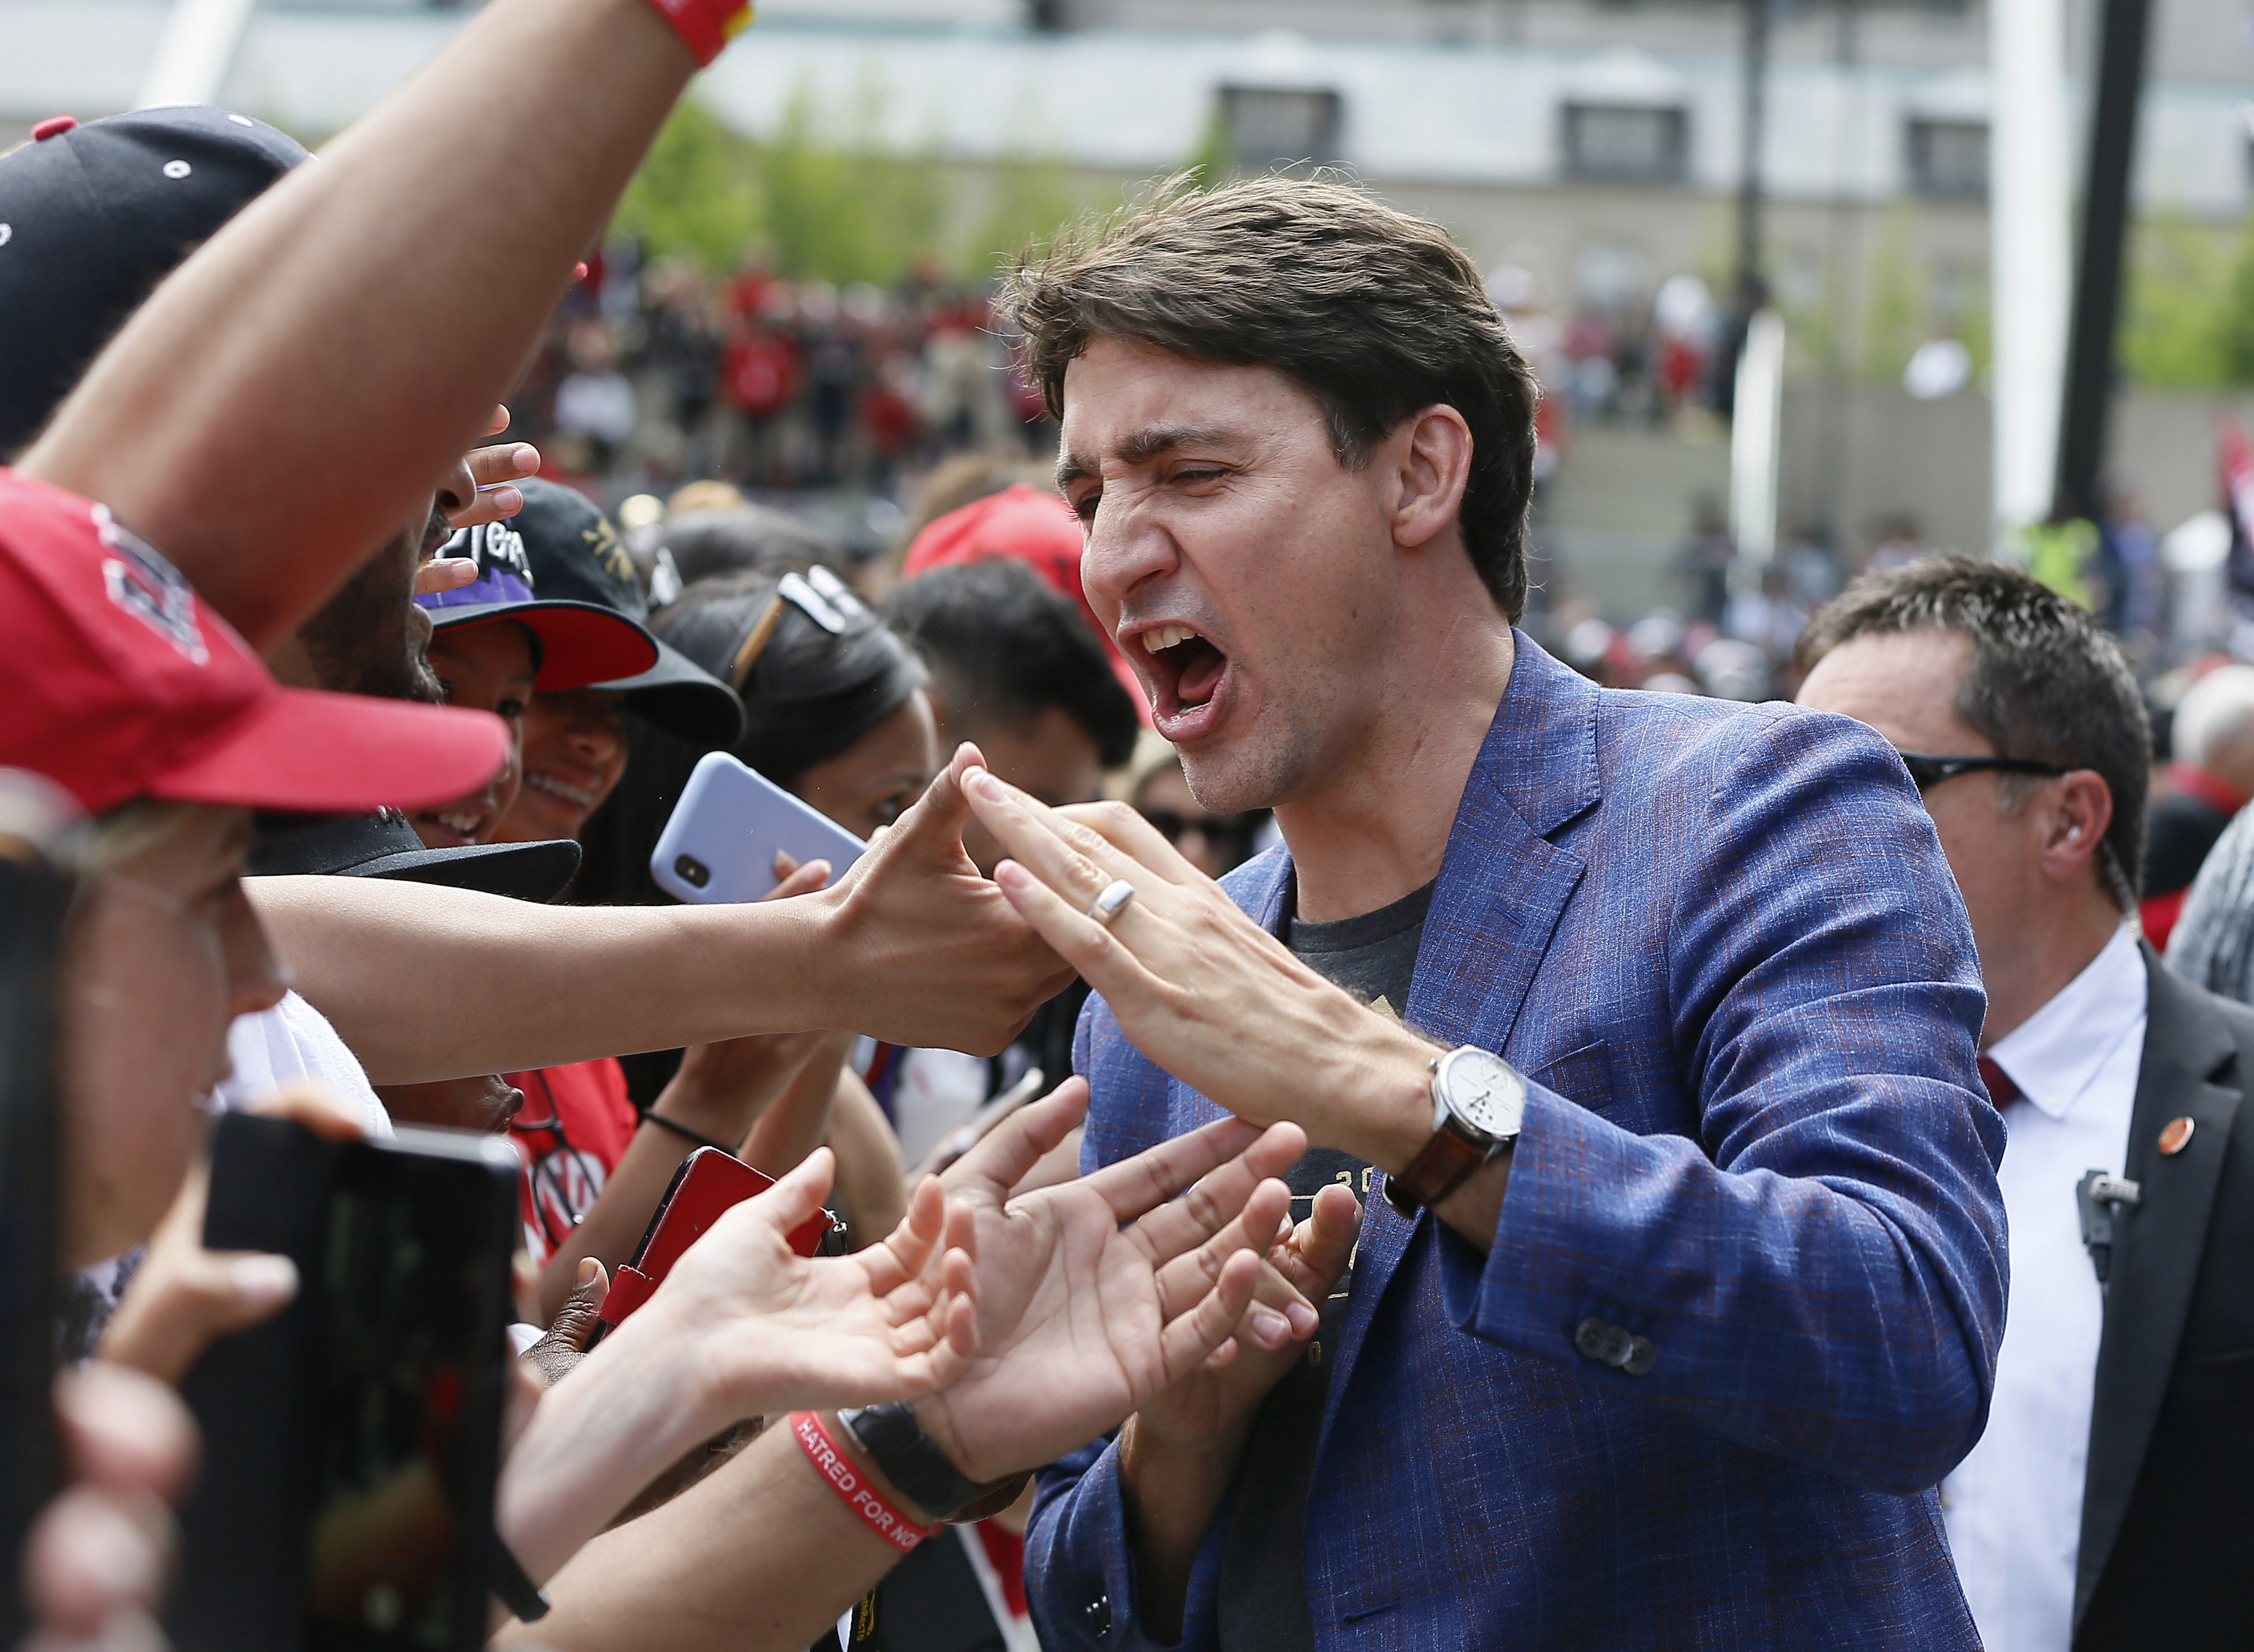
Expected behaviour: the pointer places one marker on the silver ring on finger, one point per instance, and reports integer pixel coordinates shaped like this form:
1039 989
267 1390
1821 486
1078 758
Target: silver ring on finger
1110 901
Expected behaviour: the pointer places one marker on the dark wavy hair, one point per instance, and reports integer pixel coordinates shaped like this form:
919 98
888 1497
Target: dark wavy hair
1375 313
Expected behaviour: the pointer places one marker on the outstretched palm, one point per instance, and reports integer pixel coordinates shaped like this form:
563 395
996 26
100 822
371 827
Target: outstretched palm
1097 1294
769 1330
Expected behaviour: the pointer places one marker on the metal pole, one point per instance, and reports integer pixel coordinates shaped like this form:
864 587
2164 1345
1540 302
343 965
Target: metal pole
194 52
2104 229
1751 288
2031 242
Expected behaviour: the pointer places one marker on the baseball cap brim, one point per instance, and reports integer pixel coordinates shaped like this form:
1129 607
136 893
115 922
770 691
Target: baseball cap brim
522 872
384 846
580 642
680 696
319 753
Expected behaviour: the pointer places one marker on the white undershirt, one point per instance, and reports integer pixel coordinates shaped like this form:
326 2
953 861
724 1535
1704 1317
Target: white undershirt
2013 1508
293 1040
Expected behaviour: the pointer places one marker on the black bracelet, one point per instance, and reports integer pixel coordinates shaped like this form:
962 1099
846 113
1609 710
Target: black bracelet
517 1592
683 1130
911 1459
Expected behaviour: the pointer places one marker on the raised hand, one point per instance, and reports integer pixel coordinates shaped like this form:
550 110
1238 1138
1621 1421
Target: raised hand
1097 1294
494 472
1200 988
940 958
1218 1400
742 1326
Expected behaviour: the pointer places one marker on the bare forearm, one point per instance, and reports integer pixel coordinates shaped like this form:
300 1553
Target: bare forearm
425 983
1172 1493
871 1177
799 1122
375 306
761 1556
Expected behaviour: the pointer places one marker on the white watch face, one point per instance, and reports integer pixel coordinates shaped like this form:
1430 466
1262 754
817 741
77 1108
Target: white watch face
1483 1091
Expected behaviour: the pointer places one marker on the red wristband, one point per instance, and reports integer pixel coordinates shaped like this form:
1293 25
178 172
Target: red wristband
705 26
852 1486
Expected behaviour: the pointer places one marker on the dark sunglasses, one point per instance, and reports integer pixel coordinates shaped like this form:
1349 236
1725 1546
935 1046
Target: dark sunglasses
1929 771
1171 825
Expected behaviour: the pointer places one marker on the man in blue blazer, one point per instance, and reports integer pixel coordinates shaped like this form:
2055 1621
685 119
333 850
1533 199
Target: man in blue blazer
1641 1028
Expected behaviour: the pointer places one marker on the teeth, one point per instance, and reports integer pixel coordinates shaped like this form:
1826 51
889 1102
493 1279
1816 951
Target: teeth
554 788
467 825
1166 637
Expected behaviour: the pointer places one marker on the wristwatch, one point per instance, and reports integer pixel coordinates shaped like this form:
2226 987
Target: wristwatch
1478 1100
911 1459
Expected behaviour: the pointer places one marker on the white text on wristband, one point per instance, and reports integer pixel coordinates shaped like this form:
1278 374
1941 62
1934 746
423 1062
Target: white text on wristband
853 1486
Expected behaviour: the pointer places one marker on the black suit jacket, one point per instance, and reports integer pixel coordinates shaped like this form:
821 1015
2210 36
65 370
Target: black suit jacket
2167 1513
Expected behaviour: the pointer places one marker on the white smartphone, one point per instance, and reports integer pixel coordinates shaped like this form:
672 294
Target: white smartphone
720 841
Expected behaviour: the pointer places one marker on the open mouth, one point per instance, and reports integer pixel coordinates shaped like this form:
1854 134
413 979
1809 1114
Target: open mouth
1187 672
449 828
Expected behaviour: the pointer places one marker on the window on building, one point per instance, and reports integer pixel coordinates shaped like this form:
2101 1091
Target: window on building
1948 159
1271 126
1628 142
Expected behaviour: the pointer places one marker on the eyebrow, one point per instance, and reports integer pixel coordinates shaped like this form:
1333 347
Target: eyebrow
1143 446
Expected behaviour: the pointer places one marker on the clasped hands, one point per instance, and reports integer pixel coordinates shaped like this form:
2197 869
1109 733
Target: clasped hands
1200 988
1020 1327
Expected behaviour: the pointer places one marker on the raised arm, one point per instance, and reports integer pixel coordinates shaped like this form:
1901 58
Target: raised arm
1092 1297
325 358
424 983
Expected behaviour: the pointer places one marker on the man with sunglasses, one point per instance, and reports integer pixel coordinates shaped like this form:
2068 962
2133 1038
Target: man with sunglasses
2113 1489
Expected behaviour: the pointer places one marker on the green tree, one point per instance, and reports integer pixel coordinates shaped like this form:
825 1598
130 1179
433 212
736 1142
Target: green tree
696 195
2190 320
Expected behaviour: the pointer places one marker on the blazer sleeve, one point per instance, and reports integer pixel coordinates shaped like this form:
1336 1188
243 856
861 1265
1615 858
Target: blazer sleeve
1080 1565
1820 1275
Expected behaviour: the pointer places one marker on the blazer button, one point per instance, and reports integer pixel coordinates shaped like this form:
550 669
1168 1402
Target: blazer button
1590 1339
1642 1357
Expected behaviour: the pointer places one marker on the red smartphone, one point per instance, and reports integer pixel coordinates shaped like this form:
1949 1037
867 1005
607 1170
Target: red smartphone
708 1183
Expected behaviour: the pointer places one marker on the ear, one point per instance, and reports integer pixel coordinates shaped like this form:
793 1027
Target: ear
1431 454
2074 821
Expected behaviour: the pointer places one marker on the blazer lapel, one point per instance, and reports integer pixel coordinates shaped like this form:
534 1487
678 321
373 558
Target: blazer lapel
2156 1258
1503 887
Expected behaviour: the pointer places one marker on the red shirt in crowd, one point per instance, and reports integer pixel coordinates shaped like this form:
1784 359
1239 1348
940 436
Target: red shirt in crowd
573 1129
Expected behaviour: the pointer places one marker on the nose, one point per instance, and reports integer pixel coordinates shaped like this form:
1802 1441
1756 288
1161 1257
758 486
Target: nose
457 490
595 733
255 978
1125 547
512 1100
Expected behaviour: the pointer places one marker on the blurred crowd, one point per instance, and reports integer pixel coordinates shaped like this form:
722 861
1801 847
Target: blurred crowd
436 1218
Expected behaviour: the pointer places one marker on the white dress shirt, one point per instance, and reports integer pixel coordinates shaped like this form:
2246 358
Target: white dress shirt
2013 1508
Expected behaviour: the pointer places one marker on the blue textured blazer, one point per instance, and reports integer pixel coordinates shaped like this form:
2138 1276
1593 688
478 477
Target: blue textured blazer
1723 943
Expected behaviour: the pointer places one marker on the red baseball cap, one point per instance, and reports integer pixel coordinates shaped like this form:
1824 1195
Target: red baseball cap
122 683
1023 524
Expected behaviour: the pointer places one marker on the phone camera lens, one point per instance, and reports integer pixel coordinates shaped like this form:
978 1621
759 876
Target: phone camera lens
692 870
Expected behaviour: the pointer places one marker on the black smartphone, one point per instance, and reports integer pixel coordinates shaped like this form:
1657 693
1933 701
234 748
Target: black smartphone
34 899
351 1450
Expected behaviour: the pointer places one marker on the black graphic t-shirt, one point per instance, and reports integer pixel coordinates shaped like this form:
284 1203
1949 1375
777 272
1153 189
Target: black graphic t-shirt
1262 1606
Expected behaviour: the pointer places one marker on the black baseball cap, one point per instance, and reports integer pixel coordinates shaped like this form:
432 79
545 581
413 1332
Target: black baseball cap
575 553
93 216
580 643
384 846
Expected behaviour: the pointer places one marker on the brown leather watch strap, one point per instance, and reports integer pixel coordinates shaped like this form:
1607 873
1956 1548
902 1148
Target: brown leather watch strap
1444 1166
